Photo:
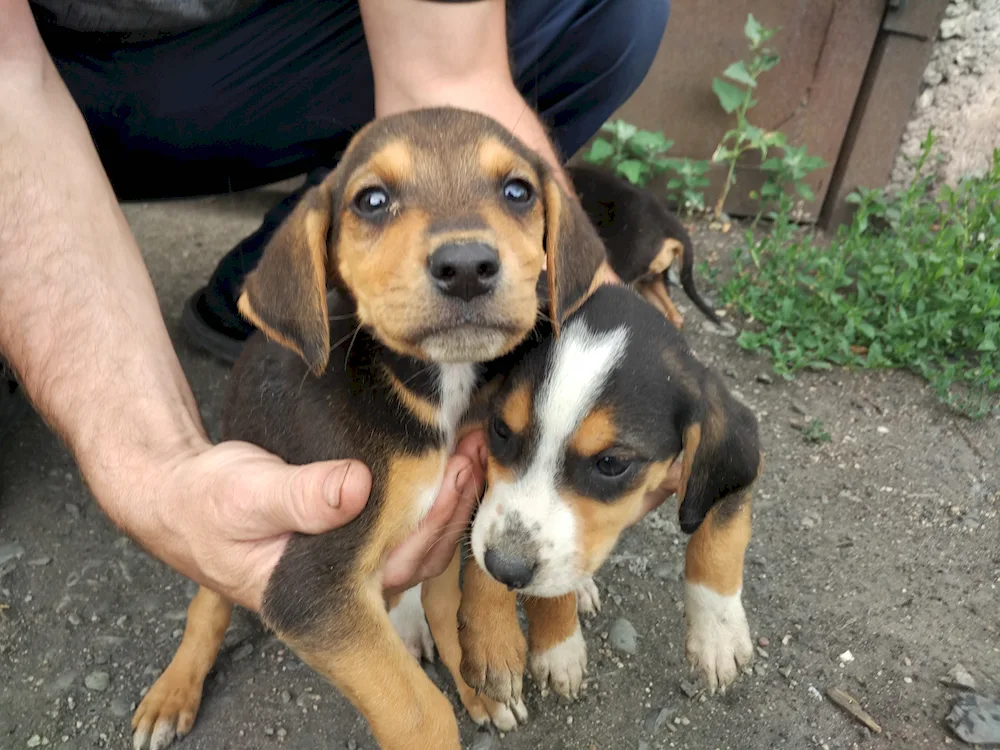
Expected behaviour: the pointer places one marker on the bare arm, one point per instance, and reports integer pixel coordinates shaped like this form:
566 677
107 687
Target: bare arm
427 53
80 324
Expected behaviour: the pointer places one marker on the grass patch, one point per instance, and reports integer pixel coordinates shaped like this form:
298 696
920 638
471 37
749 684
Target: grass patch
913 282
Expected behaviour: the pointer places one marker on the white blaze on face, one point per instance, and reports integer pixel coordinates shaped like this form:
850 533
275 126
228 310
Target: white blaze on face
580 365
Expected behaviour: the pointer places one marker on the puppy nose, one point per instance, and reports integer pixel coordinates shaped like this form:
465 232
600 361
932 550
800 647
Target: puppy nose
510 570
465 270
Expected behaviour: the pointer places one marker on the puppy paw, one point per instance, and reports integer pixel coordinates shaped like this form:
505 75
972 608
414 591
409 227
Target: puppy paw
483 710
493 659
168 710
717 643
408 619
588 598
561 667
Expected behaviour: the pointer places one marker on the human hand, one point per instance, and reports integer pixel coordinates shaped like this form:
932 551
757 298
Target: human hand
670 486
226 513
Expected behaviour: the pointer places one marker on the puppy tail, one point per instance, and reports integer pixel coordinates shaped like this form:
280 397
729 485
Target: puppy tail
687 278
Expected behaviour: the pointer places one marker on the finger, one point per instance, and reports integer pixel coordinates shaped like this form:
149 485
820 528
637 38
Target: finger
309 499
410 558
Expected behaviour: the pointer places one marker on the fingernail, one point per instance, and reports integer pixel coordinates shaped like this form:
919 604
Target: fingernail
462 480
334 485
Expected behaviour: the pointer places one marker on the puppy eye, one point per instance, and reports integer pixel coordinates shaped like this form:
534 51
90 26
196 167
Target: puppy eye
518 191
371 201
613 466
500 429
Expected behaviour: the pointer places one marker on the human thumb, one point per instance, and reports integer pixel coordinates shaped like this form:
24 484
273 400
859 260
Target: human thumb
317 497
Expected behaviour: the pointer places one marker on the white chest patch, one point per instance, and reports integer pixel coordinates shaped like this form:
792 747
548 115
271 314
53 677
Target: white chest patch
455 386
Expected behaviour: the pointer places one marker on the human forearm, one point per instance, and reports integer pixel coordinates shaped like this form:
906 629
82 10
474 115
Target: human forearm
79 319
449 54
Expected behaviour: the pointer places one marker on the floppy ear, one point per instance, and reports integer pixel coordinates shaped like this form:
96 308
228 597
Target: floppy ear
575 258
721 454
285 295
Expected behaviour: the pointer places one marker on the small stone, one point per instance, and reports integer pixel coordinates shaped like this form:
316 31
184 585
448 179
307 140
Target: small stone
765 378
10 551
352 745
97 681
952 28
907 661
759 670
286 697
908 680
763 642
924 102
34 741
763 653
101 658
785 672
622 636
847 657
282 733
959 677
74 618
976 719
814 693
689 689
933 76
243 652
39 561
656 719
882 430
569 720
119 707
807 522
269 731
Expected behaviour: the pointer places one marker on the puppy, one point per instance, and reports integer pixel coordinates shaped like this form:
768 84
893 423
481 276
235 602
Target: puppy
643 238
433 230
584 430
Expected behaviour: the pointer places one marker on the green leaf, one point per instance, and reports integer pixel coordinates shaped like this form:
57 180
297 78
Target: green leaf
738 72
753 30
624 130
632 170
600 151
730 97
988 345
805 191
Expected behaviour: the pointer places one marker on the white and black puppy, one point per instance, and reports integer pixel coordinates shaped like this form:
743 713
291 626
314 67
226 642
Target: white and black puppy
584 431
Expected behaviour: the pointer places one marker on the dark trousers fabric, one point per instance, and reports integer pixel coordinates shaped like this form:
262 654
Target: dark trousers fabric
278 92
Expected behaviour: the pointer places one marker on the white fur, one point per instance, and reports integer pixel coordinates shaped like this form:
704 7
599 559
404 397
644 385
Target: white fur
582 361
717 642
408 619
588 598
455 386
504 718
562 667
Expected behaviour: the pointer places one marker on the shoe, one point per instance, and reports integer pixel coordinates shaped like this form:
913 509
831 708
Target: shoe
209 332
13 404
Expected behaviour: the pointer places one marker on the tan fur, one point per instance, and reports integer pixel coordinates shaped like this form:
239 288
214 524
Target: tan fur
416 405
655 292
176 696
494 651
600 524
404 709
672 249
597 432
550 621
692 439
441 597
716 550
496 160
516 410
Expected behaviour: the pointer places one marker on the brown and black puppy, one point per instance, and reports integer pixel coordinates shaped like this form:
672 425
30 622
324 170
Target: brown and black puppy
434 227
584 431
643 238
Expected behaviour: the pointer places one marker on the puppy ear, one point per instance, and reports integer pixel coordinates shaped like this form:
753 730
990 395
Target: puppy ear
575 259
721 454
285 295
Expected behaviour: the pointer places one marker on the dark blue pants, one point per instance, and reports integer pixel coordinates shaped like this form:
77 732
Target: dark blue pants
279 91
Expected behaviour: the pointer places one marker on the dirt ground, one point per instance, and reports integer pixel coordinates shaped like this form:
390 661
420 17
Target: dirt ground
884 542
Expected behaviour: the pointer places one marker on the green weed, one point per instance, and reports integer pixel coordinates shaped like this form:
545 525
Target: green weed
814 432
913 282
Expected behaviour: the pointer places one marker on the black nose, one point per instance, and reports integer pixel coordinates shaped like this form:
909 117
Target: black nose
514 572
464 270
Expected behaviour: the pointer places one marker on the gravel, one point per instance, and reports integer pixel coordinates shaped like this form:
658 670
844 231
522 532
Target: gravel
976 719
10 551
622 636
97 681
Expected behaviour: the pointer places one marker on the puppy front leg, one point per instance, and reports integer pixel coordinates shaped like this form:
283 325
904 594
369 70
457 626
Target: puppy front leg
441 599
493 646
358 651
557 651
717 643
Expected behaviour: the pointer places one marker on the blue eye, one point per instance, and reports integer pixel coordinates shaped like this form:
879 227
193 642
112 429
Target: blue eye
371 201
518 191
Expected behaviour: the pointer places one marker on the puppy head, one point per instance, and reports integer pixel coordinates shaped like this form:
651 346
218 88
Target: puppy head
586 427
435 223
